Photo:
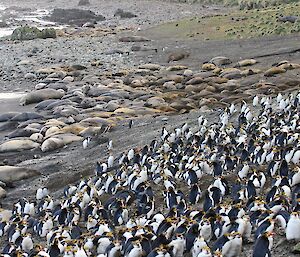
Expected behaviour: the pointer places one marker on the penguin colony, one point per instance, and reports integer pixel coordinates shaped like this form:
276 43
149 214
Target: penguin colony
118 213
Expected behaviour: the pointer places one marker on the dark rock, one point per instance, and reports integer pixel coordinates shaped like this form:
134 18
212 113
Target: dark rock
76 17
124 15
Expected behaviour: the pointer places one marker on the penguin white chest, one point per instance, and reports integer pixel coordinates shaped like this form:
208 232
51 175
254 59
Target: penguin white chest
293 228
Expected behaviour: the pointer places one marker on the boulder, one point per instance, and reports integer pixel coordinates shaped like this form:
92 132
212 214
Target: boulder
29 33
76 17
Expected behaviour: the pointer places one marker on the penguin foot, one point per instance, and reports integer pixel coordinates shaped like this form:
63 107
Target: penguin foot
248 241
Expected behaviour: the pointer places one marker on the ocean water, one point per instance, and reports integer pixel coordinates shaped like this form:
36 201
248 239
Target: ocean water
35 18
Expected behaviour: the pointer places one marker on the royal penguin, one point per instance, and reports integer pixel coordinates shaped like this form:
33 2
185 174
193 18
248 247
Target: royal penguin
292 230
263 244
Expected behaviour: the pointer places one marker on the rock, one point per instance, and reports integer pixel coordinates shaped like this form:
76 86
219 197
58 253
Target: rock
220 60
29 33
124 14
74 16
18 145
30 76
40 95
83 2
133 39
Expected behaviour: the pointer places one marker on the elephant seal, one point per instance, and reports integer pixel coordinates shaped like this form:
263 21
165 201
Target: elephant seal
18 145
245 62
27 116
58 141
7 116
41 95
10 174
220 60
9 125
22 132
42 105
273 71
52 144
133 39
177 56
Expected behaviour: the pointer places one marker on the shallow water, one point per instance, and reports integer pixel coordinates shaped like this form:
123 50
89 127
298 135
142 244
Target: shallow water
14 95
34 18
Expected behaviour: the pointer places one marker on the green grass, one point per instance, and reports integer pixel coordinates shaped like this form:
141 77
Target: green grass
240 24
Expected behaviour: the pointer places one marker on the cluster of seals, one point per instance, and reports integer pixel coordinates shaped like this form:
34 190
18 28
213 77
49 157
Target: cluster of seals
70 103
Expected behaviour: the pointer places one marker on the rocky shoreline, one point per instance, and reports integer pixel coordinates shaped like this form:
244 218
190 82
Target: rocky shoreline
92 82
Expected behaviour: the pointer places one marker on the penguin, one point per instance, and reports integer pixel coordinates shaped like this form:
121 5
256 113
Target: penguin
265 226
130 124
205 252
195 194
190 237
292 230
27 243
80 252
178 245
263 244
41 193
86 142
198 245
